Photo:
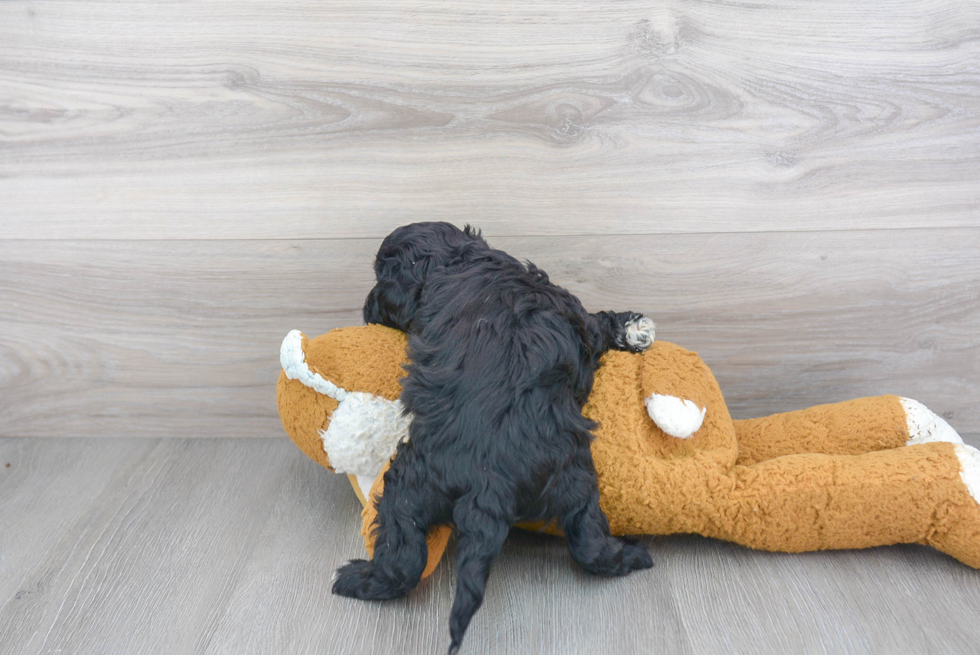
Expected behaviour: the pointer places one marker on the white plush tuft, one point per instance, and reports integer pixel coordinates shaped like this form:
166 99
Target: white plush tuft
925 426
675 416
364 432
969 468
365 482
640 333
293 361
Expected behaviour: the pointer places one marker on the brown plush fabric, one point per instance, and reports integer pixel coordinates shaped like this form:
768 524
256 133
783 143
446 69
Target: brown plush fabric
852 427
832 476
352 358
303 412
648 479
360 359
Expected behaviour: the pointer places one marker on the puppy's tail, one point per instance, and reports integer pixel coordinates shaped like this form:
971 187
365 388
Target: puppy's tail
479 539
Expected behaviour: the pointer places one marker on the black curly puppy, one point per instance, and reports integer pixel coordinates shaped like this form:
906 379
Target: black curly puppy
501 363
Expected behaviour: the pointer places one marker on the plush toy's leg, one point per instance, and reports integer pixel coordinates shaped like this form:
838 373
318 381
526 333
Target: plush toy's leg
917 494
853 427
405 513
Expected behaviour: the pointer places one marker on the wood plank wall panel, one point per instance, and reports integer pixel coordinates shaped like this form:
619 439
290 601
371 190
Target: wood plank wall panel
789 187
180 338
263 119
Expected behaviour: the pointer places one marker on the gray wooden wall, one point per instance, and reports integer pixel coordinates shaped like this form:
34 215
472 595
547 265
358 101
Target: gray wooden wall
789 187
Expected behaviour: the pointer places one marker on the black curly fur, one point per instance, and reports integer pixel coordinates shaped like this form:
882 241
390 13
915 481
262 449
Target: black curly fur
501 364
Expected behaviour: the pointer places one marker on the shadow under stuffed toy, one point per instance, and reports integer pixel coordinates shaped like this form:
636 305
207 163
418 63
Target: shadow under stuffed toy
668 456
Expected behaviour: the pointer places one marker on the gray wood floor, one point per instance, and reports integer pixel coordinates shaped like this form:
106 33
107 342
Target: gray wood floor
789 187
227 546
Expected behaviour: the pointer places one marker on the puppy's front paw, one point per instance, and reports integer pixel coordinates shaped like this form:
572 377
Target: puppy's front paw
640 333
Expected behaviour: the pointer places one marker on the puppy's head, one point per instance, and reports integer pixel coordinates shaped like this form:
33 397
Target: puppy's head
404 261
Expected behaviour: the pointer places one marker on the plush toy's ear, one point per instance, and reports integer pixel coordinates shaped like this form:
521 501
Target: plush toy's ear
436 540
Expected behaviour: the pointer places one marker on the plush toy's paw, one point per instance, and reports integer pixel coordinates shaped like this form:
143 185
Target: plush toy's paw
640 333
359 578
925 426
969 468
677 417
957 528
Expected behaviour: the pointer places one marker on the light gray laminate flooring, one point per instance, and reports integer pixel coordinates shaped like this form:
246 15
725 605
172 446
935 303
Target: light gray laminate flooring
227 546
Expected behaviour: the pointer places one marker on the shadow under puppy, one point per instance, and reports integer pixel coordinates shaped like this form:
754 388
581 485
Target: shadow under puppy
502 361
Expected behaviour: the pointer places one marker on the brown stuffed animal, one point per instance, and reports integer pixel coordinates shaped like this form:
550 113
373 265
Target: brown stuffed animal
669 458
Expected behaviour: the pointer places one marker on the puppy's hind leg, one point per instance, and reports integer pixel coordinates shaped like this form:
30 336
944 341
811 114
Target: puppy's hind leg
625 331
400 550
587 529
480 538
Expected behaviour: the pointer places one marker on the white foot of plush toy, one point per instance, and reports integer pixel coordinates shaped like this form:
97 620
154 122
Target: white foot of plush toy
925 426
969 468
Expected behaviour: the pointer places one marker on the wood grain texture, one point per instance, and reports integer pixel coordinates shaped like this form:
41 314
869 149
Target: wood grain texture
788 187
151 560
35 519
226 546
157 338
263 120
